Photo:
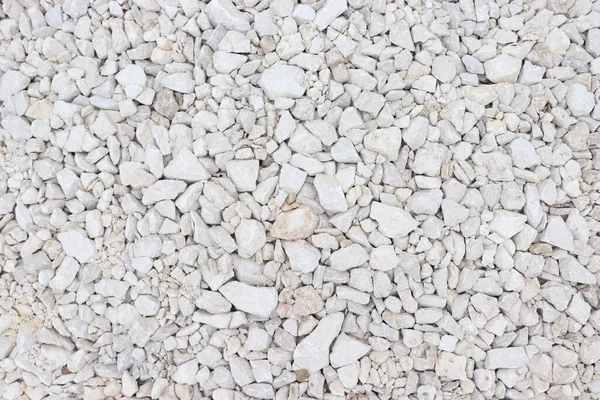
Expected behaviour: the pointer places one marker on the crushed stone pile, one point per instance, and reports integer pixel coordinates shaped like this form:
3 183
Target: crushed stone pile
296 200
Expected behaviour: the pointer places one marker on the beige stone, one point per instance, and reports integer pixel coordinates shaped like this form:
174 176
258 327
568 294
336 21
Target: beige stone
307 302
295 224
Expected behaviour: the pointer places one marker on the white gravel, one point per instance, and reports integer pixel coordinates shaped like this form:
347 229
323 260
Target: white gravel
332 199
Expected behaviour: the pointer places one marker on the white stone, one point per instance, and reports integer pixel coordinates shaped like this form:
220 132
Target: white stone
323 130
129 385
346 350
348 257
235 42
322 199
557 233
487 305
384 258
307 301
425 202
329 12
510 357
264 23
259 391
349 375
241 370
443 69
592 44
303 256
498 165
451 366
224 12
507 223
370 102
103 127
416 133
18 127
331 196
212 302
503 69
400 35
260 301
93 224
571 270
75 8
76 244
483 95
163 190
304 142
185 166
11 83
41 109
142 329
181 82
472 64
69 182
133 80
282 81
580 100
312 353
257 340
186 372
425 83
589 350
225 63
531 74
289 46
385 141
243 173
250 237
304 12
579 309
484 379
65 274
112 288
429 159
393 222
343 151
291 179
523 153
147 305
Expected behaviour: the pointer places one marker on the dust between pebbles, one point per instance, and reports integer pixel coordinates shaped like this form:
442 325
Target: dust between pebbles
342 199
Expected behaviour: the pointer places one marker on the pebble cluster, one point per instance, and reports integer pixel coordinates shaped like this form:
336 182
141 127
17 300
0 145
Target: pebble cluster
332 199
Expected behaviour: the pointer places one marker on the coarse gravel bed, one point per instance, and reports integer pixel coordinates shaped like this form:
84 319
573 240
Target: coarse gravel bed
296 200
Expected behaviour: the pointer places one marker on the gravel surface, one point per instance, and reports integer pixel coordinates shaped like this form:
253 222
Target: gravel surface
333 200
